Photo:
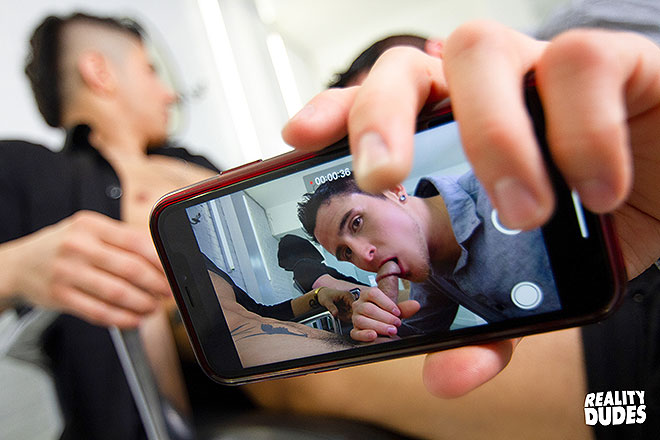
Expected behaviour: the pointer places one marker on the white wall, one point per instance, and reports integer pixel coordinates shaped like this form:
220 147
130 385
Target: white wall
321 37
328 35
176 27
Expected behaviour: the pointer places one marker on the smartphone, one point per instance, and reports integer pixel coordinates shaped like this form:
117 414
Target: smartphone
235 284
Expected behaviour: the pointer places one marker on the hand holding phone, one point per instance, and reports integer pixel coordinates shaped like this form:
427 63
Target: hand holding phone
589 111
591 118
473 279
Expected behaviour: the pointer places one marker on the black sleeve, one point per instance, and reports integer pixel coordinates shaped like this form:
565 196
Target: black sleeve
307 271
281 311
10 194
340 276
28 177
37 188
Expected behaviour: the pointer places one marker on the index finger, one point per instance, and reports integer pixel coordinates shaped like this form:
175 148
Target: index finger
136 261
322 122
122 235
377 297
381 123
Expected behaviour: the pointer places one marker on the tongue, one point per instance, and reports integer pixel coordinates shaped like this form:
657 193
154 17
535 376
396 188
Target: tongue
388 281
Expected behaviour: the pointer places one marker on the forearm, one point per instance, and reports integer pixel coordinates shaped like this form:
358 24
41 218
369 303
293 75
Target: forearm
305 303
330 281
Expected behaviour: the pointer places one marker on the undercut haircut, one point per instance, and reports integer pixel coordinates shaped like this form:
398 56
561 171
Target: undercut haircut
43 64
365 61
310 204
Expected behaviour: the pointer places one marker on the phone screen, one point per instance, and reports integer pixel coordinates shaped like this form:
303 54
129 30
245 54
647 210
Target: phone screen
468 272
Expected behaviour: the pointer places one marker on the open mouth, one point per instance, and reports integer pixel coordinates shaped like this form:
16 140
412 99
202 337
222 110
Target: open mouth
389 268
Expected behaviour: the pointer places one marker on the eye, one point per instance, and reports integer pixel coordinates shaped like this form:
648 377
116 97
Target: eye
356 223
346 254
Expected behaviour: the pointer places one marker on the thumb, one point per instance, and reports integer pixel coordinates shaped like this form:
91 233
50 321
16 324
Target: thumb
408 308
453 373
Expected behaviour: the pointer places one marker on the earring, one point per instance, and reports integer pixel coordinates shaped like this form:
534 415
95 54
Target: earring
402 197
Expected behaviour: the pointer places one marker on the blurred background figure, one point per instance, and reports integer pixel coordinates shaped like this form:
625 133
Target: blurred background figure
301 257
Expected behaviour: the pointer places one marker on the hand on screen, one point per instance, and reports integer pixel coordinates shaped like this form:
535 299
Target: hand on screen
337 302
374 314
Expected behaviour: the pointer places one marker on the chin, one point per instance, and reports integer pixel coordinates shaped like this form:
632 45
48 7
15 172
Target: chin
157 141
417 276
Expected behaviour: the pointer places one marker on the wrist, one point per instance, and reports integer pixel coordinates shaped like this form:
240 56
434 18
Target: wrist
314 300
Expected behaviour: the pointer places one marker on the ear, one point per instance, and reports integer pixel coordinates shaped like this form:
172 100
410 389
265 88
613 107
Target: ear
96 72
434 47
396 192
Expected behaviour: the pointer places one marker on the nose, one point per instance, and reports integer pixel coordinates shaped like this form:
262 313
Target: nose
365 254
170 96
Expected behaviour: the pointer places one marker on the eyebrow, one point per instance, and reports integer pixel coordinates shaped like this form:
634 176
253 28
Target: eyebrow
342 224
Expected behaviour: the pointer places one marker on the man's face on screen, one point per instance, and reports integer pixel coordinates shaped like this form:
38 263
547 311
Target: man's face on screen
369 231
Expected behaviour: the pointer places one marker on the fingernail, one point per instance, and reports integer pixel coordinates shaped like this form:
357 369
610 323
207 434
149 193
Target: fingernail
396 311
597 193
391 331
371 153
516 204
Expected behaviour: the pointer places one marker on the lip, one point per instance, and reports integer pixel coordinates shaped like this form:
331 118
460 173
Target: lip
399 271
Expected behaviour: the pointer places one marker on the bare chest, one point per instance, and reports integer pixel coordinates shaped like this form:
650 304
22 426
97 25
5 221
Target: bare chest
144 181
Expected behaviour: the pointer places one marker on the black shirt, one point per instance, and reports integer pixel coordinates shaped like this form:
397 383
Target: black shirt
39 187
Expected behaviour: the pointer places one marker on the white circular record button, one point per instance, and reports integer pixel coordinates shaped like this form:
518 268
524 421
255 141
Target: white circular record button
526 295
495 220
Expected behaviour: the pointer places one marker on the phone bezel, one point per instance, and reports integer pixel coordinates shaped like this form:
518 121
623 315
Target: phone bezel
594 268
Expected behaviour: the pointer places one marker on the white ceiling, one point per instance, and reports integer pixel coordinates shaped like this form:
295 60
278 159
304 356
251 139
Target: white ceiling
329 34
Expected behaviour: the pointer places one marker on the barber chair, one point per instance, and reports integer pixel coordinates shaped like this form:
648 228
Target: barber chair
322 321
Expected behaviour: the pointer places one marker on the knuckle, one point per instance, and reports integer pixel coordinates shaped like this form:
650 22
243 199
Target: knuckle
59 294
400 54
71 244
116 293
358 307
496 138
84 219
99 315
368 294
359 321
474 34
370 309
131 270
581 48
59 270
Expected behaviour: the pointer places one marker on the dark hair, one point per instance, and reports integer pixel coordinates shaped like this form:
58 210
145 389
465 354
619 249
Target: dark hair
310 204
42 64
368 57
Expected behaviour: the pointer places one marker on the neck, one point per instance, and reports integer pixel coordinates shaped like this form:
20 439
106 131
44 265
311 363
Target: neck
444 250
111 134
116 144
